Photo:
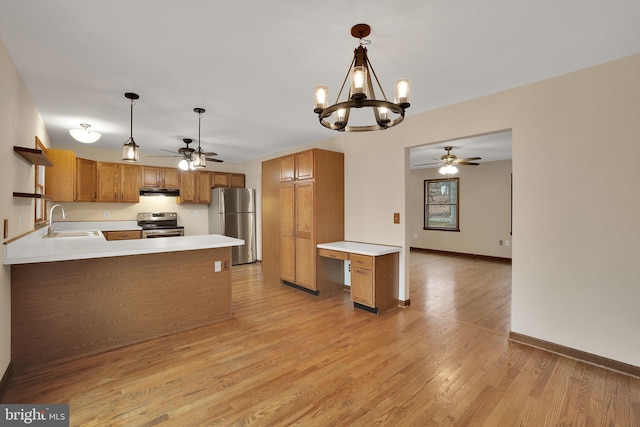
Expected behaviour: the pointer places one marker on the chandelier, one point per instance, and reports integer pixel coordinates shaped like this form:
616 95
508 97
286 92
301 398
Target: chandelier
361 94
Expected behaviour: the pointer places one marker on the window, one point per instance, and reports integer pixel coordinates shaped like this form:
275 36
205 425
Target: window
441 203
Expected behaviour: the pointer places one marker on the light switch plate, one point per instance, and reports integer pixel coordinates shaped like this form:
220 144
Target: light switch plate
396 218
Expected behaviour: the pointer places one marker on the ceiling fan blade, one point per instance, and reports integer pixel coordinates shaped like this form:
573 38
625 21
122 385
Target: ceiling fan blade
214 160
467 163
164 156
426 164
210 153
469 159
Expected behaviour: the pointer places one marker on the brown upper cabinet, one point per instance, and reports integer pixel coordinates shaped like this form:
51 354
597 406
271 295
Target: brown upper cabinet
118 182
195 187
226 179
86 180
156 177
70 178
298 166
60 177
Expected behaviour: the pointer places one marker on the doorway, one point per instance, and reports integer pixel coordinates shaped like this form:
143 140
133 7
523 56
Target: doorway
484 238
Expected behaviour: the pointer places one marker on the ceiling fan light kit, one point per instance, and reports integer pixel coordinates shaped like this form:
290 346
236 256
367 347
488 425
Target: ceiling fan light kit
448 170
361 94
84 135
130 150
449 162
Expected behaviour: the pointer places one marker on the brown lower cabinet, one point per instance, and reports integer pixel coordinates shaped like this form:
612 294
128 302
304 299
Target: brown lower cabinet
374 279
122 235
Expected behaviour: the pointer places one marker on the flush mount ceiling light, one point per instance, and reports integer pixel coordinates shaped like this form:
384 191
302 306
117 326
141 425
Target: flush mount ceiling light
84 135
361 94
199 157
130 151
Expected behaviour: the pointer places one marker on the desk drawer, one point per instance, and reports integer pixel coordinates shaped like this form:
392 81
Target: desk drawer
361 261
328 253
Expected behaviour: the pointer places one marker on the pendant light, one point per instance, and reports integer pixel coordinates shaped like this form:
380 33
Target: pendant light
84 135
361 94
130 150
199 157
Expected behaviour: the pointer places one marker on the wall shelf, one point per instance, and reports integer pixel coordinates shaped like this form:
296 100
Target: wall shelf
31 195
33 156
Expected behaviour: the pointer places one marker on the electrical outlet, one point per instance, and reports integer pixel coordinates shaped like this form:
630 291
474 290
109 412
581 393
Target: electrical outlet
106 214
396 218
217 266
507 243
500 242
225 264
195 214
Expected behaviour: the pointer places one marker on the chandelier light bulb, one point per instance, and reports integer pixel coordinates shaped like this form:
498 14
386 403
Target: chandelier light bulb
321 98
384 113
402 92
358 81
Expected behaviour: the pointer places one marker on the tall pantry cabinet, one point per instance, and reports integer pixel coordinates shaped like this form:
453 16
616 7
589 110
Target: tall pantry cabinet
311 211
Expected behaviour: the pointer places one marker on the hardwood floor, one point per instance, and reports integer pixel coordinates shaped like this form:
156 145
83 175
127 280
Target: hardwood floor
289 358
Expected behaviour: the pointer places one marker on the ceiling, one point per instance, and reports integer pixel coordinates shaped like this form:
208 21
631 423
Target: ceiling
253 64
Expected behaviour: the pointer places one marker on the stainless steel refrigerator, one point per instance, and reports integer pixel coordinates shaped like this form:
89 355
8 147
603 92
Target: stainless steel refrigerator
233 213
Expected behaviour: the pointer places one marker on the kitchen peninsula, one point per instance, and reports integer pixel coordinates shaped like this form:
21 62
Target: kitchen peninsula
81 294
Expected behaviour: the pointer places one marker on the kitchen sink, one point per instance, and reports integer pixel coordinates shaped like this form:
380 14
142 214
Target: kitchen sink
70 233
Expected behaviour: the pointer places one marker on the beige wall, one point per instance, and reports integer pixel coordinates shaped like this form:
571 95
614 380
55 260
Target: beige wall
485 211
20 123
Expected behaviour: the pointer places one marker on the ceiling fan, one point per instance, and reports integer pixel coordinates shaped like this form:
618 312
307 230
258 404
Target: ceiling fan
193 158
187 151
450 161
186 154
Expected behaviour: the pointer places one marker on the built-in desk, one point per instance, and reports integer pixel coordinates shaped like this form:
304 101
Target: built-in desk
374 272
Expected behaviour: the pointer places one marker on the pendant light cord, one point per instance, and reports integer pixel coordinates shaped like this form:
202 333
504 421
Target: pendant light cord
131 120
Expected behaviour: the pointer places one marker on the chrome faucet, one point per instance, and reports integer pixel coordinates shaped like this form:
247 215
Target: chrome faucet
64 216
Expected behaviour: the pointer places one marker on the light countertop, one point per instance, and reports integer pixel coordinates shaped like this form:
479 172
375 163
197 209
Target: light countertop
360 248
34 247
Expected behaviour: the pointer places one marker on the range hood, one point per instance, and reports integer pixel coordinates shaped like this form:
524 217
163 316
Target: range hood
167 192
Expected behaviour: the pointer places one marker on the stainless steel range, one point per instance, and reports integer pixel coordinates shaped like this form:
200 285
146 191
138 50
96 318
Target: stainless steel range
159 224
